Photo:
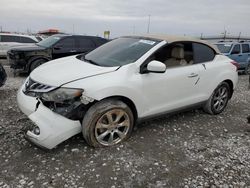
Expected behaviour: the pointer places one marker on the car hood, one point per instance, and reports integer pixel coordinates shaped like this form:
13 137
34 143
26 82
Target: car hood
25 48
61 71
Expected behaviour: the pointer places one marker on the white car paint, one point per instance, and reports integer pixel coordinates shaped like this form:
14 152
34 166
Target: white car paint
5 46
152 93
46 72
52 133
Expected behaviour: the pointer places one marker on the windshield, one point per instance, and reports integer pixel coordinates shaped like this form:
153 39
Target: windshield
224 48
48 42
119 52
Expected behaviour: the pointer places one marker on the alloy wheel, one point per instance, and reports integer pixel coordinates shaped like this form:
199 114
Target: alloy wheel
112 127
220 98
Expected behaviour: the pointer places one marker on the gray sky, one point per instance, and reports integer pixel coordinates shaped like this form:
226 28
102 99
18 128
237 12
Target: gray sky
125 17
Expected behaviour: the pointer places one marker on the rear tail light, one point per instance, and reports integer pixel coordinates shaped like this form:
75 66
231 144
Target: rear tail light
235 64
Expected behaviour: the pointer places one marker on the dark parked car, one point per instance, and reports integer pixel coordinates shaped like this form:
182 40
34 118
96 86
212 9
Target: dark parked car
3 75
56 46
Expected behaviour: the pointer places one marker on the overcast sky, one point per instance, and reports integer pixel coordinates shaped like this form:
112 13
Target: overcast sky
125 17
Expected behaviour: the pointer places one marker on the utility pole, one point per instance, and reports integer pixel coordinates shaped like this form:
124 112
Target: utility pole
73 28
201 36
148 23
239 36
225 34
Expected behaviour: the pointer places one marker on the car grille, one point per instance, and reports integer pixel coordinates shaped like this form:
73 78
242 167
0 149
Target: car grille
32 87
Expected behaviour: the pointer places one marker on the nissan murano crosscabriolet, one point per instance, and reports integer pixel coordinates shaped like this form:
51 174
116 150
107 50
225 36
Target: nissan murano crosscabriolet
104 93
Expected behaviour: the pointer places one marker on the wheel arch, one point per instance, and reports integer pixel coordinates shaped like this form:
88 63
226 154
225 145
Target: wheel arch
34 58
231 86
127 101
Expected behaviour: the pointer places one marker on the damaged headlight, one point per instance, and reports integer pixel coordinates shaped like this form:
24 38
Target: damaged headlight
62 94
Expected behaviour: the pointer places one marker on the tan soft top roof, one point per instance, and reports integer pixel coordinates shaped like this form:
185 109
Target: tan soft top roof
172 38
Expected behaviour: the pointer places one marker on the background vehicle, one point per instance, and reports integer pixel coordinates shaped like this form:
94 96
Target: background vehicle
239 52
8 41
3 75
127 80
56 46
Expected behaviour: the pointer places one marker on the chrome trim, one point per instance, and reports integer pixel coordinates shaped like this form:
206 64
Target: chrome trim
33 86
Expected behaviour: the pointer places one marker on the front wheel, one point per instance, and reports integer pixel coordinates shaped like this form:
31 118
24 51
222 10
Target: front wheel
218 100
36 63
107 123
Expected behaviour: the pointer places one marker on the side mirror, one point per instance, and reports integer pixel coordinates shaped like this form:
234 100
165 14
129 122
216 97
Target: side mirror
59 47
156 67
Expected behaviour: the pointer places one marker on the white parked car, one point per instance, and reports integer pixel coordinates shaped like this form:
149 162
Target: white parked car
8 41
128 80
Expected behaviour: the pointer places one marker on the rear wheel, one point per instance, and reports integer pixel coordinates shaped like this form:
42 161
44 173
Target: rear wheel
36 63
107 123
218 100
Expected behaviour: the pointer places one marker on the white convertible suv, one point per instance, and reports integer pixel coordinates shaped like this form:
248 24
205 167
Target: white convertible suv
104 93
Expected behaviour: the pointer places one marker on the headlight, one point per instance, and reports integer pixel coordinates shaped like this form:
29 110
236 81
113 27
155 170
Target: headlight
62 94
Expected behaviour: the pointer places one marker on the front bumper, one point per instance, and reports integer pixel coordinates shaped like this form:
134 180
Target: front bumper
54 128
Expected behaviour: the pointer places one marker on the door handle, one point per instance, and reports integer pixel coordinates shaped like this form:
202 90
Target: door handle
192 75
72 50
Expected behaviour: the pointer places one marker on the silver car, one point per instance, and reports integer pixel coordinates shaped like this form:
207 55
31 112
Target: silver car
7 41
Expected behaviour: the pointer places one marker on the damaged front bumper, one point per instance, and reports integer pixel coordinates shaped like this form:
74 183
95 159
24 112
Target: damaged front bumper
53 128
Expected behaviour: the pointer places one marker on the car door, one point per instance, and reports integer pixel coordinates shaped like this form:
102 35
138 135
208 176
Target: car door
64 47
204 58
175 89
236 53
85 44
245 54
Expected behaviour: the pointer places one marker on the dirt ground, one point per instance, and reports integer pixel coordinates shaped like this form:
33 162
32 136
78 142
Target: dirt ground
190 149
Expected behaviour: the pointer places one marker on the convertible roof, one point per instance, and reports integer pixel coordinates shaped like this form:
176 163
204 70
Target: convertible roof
172 38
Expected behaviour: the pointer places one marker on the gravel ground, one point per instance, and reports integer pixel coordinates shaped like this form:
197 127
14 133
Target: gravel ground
190 149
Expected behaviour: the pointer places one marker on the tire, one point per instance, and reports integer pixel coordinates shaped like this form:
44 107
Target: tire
247 70
3 76
100 126
218 100
36 63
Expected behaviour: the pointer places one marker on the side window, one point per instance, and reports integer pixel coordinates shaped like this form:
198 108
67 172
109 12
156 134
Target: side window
202 53
67 43
9 38
26 40
245 48
85 43
236 49
174 55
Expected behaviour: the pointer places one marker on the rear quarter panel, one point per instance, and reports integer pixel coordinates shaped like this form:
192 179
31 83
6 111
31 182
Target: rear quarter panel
217 71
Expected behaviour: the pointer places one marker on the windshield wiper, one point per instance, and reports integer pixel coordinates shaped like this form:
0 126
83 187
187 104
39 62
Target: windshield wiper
89 61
